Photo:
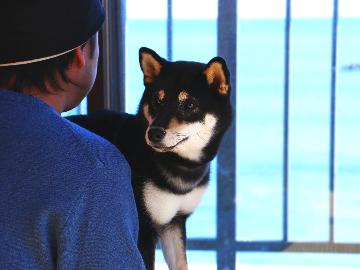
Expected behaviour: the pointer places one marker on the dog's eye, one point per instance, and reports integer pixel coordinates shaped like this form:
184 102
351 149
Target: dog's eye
156 101
189 106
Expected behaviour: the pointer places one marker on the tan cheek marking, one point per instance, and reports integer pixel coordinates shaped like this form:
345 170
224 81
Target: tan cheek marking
147 114
174 124
183 96
161 95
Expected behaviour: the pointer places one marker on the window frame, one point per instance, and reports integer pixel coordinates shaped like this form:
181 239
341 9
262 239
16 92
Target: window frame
109 93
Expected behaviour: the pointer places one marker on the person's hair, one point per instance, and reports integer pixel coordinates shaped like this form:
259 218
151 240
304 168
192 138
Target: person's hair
35 74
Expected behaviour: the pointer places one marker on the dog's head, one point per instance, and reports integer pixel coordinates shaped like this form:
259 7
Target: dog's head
185 105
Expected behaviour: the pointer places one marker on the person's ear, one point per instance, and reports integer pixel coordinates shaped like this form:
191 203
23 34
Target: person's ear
79 57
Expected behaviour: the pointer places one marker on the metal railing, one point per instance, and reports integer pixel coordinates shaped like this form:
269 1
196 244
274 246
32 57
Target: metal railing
225 243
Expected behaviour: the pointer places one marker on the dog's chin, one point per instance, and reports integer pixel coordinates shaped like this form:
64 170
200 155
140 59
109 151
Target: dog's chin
162 148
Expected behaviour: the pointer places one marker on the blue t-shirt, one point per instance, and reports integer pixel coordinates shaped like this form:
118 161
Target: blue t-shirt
66 200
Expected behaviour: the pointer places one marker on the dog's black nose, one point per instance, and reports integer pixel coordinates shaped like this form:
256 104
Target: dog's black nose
156 134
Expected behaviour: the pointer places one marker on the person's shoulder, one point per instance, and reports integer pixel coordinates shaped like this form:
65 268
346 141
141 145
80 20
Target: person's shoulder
94 146
96 168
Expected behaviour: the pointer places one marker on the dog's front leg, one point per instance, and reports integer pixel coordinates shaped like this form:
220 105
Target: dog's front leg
146 244
173 243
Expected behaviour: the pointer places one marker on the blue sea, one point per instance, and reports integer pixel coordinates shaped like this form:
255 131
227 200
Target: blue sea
259 129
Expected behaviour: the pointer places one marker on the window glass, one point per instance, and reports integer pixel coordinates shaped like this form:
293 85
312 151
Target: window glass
145 27
347 184
309 139
259 126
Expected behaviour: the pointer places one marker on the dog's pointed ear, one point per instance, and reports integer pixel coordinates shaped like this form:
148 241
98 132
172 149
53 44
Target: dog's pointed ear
218 76
151 64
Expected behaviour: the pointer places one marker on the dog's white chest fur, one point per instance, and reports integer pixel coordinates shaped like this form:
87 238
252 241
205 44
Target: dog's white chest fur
163 205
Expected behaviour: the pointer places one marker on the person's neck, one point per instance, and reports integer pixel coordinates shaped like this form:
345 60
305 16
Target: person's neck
54 98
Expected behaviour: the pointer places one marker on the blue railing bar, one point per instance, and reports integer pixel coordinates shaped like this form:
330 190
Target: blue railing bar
226 176
333 118
169 31
202 244
114 55
286 120
276 246
208 244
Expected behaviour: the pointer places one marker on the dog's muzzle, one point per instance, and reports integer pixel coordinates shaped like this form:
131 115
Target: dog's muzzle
162 140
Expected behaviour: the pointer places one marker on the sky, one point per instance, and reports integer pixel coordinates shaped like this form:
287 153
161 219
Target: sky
247 9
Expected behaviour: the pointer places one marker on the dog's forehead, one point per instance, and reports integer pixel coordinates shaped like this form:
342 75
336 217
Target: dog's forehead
181 90
180 81
181 73
186 67
179 95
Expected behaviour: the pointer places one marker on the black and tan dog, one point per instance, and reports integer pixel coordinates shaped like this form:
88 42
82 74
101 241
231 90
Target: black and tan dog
169 143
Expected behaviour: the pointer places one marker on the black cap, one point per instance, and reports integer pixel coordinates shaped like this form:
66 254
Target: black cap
35 30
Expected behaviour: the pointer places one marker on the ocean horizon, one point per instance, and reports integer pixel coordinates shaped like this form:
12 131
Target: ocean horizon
259 131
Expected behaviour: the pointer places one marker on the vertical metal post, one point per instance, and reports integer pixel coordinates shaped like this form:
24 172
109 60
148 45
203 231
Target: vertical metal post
333 118
114 54
286 120
226 180
169 31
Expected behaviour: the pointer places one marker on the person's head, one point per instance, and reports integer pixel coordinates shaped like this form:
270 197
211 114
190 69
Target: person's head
52 49
71 75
